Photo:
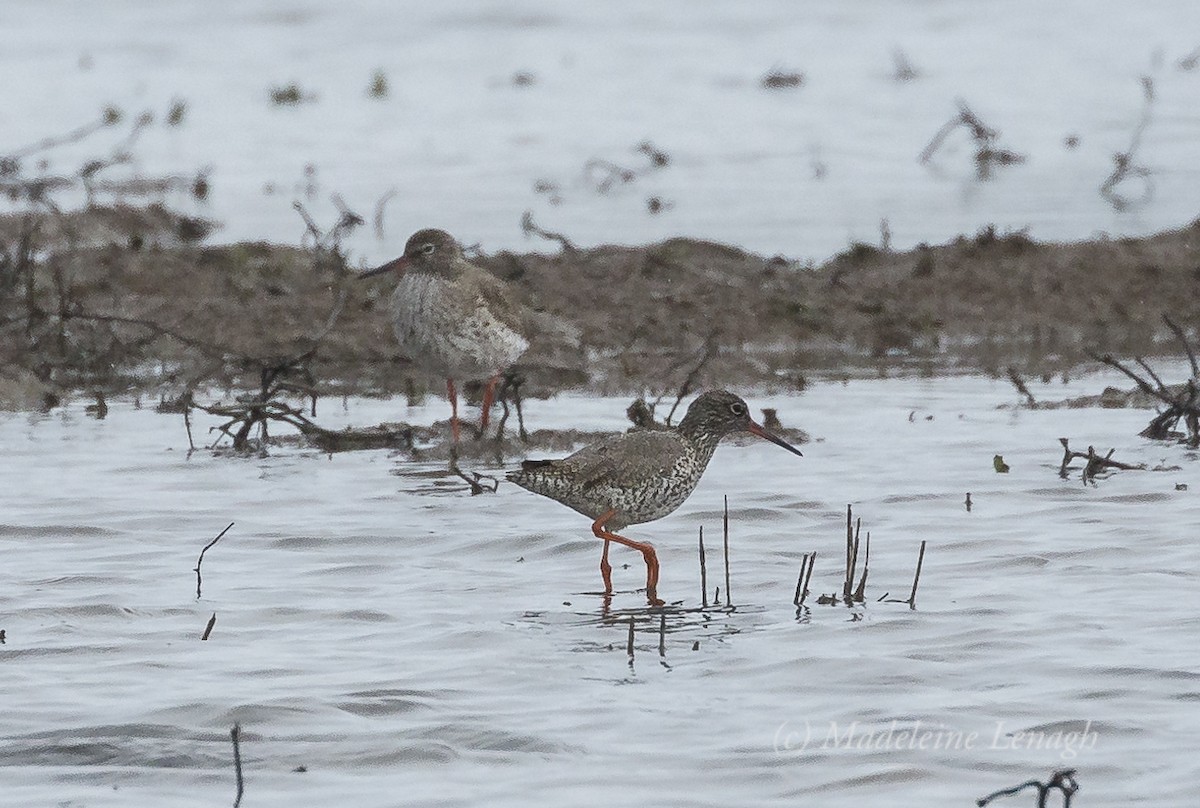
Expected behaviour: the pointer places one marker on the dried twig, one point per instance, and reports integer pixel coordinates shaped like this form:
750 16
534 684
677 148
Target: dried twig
475 480
200 560
812 560
725 524
860 592
800 580
987 153
212 621
604 174
849 570
1062 780
528 227
1095 463
706 354
1183 340
1124 165
703 572
1019 383
912 598
234 735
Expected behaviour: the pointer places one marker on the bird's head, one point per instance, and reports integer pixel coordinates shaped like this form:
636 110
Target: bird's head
718 413
430 250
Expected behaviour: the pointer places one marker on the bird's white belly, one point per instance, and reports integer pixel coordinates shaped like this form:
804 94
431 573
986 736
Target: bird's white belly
442 336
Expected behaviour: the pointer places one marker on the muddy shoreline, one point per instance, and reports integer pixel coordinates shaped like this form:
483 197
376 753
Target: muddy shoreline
121 300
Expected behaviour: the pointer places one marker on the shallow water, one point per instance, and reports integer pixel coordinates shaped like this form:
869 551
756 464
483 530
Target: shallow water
409 644
463 147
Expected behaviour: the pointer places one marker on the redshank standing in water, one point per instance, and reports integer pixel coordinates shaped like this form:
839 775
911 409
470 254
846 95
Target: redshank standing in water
641 475
452 318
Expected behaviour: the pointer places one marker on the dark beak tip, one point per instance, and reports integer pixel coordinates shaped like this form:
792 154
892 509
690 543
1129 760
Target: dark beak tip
761 432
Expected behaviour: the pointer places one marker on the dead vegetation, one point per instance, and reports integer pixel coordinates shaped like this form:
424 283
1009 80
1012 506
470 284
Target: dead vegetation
1126 170
1095 467
78 290
854 584
1178 404
1062 781
112 298
988 155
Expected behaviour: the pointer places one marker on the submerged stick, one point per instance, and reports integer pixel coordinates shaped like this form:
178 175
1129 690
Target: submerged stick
662 634
212 621
728 601
703 572
237 763
629 642
912 598
200 560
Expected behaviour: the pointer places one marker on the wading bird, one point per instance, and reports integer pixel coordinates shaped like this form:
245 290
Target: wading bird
641 475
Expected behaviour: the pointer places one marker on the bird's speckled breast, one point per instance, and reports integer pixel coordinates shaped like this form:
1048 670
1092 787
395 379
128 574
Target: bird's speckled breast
449 334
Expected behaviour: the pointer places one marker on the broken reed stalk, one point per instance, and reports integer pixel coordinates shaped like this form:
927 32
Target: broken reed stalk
800 580
237 763
849 584
703 573
847 579
860 592
812 560
629 642
200 560
662 634
725 523
212 621
849 539
912 598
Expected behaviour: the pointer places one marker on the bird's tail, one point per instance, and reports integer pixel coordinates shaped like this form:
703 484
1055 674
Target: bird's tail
529 470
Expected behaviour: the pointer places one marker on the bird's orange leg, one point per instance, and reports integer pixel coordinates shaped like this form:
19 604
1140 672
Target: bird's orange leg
647 551
489 398
452 394
606 570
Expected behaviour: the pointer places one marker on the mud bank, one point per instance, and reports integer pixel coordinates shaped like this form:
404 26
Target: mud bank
121 299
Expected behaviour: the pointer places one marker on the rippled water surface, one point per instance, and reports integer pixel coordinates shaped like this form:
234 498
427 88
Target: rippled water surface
406 643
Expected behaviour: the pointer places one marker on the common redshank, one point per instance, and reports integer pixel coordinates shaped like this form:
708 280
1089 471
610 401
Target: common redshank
641 475
452 318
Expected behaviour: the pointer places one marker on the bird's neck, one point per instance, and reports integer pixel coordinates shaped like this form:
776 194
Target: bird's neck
703 441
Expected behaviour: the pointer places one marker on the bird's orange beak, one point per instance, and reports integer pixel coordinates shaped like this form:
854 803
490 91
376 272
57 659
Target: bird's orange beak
756 429
398 266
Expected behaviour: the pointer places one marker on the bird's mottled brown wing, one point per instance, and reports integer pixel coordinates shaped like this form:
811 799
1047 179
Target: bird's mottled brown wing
624 460
496 295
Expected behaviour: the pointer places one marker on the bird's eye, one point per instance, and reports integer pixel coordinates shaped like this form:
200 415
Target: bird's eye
737 408
427 249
